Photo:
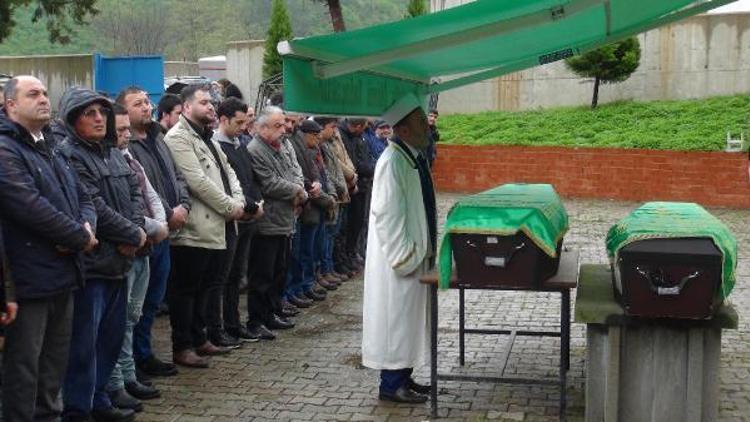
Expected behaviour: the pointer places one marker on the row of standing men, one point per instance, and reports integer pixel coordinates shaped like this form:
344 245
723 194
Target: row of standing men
106 211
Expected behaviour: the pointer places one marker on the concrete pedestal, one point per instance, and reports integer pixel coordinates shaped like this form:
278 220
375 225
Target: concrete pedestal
647 370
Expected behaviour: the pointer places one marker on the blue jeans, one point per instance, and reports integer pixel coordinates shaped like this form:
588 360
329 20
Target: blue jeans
392 379
307 256
294 267
137 285
98 331
329 240
160 264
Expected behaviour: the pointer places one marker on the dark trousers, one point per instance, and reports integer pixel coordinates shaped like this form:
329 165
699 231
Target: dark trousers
98 330
193 271
267 281
217 286
355 221
392 379
35 357
339 244
159 264
239 269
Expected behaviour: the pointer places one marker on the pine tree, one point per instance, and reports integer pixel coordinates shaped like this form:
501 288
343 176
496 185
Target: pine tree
417 8
280 30
609 64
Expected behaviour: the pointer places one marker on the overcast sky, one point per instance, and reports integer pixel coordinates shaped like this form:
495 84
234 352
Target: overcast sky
738 6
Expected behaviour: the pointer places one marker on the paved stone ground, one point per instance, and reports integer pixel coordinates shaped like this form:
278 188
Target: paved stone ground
313 372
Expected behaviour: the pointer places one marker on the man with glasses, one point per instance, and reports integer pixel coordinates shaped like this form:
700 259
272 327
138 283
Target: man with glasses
149 149
100 306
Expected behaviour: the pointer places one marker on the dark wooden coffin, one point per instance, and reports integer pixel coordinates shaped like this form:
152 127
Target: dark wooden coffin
513 262
669 278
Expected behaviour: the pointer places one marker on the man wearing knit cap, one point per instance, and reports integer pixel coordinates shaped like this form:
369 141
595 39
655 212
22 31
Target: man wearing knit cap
400 248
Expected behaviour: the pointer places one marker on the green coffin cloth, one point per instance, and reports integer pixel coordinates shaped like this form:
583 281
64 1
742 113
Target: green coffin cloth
535 210
664 220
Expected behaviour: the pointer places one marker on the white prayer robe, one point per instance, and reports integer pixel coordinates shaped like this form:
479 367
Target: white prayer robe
395 327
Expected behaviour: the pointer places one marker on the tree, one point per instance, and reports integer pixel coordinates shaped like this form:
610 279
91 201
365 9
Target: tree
57 15
609 64
337 14
279 30
417 8
133 29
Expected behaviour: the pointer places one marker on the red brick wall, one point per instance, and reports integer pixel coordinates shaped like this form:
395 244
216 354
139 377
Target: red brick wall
708 178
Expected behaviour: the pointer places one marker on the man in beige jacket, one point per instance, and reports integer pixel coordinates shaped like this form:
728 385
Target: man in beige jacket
199 249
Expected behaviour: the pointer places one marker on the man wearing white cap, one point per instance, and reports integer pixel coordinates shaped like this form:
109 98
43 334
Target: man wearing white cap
400 248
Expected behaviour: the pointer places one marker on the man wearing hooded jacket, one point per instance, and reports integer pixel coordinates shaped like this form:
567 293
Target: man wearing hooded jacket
100 306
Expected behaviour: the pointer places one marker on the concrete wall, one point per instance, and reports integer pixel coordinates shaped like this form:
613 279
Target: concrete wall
703 56
180 68
56 72
245 66
709 178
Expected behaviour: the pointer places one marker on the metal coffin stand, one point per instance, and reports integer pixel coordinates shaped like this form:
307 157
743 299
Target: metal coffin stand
566 279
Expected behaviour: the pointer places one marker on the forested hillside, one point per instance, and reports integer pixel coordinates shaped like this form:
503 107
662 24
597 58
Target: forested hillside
189 29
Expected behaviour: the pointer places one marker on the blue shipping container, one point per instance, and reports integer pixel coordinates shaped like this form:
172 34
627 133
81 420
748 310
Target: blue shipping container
112 74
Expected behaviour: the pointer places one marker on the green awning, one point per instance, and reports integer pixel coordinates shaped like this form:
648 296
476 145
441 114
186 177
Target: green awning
363 72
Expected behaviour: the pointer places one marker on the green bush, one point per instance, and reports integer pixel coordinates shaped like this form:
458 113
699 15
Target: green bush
691 125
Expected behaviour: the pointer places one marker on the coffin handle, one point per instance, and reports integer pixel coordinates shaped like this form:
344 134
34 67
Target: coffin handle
497 261
658 285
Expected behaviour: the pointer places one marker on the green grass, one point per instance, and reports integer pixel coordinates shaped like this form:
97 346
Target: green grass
690 125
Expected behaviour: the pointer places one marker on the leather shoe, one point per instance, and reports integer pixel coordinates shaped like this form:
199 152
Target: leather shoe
260 331
156 368
288 310
141 391
222 339
328 285
210 349
403 395
279 323
244 335
300 301
142 377
342 277
190 359
417 388
312 294
113 414
122 400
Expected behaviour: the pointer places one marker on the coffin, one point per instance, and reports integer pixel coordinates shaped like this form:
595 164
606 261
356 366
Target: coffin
507 237
671 260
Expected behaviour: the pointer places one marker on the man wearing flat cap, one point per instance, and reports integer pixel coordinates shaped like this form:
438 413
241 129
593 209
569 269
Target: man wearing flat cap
400 248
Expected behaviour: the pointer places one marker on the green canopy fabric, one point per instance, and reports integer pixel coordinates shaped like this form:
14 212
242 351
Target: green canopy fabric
664 220
363 72
534 209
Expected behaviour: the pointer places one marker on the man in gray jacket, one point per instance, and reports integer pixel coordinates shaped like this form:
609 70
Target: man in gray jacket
283 192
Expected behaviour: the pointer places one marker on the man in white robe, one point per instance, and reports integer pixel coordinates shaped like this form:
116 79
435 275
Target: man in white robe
401 247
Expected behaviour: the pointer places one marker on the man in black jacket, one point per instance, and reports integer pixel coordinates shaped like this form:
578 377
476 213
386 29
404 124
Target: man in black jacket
149 149
48 221
100 306
351 131
233 121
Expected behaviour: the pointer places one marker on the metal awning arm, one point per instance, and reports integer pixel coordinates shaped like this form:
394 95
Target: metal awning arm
337 68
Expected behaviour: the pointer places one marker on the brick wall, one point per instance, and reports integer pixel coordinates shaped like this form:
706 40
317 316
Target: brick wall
708 178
